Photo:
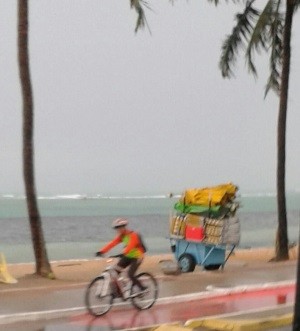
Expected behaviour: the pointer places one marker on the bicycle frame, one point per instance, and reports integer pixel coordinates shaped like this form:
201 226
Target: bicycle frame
110 275
104 290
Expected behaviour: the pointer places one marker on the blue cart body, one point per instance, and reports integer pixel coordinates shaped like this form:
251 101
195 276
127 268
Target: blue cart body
193 253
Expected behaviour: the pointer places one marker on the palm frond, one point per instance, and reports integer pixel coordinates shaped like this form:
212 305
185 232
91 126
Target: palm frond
240 34
276 34
216 2
297 4
260 35
141 19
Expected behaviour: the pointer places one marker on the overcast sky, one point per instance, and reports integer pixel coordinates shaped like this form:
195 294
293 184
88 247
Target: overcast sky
119 112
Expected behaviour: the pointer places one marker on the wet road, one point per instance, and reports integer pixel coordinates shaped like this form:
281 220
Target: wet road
129 317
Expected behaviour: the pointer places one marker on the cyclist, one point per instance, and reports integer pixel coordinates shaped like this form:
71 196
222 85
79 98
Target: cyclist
133 252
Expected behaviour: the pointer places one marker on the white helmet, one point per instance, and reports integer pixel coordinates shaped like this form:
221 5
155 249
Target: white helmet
119 222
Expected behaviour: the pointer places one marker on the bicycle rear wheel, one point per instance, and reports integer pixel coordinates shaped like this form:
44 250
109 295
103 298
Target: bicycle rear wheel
144 300
96 303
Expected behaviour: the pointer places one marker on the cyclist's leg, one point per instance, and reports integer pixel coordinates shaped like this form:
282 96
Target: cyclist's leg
122 264
134 264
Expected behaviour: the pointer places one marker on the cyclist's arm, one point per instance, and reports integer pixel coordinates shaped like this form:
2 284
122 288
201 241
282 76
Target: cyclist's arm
110 245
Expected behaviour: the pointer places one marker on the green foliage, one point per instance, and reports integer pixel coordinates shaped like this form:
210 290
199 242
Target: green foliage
141 19
240 34
216 2
257 30
268 35
274 81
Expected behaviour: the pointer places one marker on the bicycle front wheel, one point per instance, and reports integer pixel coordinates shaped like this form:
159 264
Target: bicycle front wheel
147 298
97 302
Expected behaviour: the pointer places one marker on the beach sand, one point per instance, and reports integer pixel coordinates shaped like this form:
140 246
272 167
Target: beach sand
74 272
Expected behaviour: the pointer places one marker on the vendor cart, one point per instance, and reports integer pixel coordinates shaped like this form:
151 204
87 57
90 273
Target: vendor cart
190 253
204 230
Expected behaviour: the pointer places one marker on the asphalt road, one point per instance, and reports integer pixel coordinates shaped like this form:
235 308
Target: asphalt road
239 288
124 318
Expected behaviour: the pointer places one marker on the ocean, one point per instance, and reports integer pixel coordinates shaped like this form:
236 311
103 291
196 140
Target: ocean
76 226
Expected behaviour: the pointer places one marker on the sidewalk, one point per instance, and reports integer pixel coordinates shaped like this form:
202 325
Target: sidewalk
246 269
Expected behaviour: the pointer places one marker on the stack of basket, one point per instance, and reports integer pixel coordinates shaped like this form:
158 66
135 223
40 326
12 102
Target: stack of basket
207 214
222 231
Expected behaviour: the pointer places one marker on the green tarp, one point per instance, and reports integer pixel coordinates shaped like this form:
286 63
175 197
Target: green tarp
214 211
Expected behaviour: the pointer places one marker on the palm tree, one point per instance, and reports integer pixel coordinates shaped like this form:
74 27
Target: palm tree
43 267
269 30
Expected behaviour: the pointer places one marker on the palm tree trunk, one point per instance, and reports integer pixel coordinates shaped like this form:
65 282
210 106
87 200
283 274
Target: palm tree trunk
282 252
296 320
42 264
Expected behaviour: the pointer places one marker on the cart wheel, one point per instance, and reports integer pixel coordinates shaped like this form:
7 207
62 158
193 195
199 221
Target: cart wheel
212 267
187 263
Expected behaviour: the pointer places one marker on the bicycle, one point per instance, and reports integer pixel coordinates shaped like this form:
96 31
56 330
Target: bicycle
109 285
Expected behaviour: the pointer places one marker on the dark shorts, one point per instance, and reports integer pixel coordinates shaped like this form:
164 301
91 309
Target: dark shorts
133 264
125 261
